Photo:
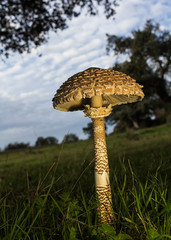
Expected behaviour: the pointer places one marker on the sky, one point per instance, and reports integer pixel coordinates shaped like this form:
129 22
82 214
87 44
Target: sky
28 82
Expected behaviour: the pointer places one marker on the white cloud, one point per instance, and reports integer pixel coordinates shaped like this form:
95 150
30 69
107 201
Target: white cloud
29 82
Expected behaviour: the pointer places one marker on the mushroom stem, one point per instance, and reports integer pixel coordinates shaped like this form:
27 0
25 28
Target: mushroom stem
102 182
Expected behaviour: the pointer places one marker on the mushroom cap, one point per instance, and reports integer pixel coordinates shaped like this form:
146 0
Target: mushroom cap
115 88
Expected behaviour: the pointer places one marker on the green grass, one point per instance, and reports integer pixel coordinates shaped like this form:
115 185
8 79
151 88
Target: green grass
49 193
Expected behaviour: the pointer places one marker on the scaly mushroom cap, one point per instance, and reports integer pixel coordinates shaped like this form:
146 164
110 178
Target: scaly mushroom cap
115 87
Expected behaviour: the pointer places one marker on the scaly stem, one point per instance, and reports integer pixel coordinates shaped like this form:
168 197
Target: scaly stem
102 182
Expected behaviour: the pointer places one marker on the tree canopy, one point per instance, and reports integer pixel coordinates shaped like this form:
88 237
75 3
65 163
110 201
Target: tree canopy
16 145
41 141
148 60
71 137
25 24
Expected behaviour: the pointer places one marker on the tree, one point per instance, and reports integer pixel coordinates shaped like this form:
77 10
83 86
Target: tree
148 60
16 145
25 24
68 138
40 142
51 141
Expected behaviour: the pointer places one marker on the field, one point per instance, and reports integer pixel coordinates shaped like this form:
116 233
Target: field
49 192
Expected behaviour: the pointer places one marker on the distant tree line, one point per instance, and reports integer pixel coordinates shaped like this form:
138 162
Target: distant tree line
68 138
16 145
42 142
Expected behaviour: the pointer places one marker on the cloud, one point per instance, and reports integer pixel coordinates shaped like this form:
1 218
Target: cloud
133 14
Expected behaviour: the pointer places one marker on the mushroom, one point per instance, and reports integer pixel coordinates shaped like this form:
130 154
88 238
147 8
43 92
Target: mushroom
96 91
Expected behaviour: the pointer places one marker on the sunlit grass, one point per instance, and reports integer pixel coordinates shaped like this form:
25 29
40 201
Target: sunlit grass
141 211
49 193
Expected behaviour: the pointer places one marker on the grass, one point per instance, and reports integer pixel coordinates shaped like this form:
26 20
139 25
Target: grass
49 193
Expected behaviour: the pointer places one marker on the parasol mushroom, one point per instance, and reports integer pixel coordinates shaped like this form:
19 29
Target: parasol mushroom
96 91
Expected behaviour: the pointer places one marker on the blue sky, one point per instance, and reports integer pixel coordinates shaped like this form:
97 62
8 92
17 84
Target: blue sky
28 82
